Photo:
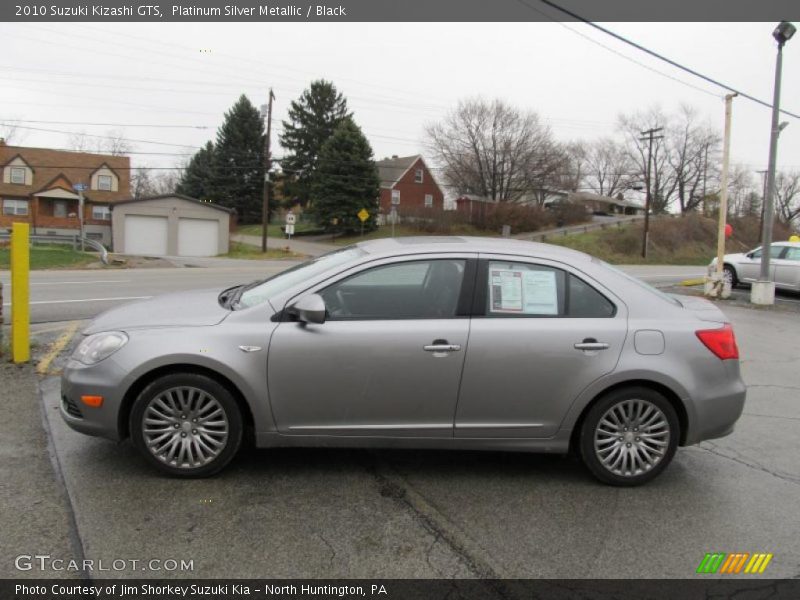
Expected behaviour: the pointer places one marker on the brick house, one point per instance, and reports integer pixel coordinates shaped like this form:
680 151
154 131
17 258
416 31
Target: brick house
409 177
37 188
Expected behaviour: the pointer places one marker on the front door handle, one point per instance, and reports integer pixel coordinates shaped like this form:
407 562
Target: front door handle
591 344
442 346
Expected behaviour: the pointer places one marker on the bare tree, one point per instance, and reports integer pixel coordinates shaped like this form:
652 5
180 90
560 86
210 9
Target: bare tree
10 132
146 182
609 168
744 195
692 153
787 196
115 144
495 150
661 177
79 141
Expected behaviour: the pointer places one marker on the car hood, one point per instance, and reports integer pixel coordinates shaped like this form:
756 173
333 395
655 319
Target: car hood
181 309
730 258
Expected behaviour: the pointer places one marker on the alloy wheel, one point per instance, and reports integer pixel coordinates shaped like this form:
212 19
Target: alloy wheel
631 437
185 427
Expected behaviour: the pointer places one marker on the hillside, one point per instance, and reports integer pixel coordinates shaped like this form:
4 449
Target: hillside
687 240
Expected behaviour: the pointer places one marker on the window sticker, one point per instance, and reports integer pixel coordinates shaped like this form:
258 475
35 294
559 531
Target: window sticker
506 291
539 292
523 292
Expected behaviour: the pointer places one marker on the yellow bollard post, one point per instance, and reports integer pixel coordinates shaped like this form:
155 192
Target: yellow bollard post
20 293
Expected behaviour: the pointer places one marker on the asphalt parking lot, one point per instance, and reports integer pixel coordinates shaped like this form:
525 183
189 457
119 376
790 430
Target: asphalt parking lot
358 513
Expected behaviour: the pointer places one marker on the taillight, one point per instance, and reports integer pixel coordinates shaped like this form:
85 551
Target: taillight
721 341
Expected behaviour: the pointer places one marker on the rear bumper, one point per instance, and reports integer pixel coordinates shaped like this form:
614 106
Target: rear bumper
716 414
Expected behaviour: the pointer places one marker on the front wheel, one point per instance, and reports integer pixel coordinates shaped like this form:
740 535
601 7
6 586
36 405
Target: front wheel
186 425
629 436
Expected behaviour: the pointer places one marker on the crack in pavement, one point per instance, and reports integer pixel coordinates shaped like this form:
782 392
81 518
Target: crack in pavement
712 449
330 547
772 385
771 417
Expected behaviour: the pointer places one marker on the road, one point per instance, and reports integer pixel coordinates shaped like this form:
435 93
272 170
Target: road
438 514
72 295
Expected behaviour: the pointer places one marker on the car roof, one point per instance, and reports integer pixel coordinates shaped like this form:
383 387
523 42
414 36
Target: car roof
433 244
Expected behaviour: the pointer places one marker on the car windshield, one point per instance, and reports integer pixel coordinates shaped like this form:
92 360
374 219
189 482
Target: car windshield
642 284
259 292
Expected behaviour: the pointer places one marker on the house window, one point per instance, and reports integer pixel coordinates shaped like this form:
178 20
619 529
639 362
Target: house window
15 207
104 183
428 200
100 212
18 175
418 176
60 209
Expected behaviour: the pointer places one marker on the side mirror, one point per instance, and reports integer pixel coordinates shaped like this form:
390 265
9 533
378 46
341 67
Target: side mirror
309 309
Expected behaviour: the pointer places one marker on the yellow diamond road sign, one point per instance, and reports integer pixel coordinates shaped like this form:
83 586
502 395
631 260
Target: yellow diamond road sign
363 214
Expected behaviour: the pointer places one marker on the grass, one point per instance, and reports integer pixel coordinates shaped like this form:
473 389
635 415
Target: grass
272 230
51 256
689 240
239 250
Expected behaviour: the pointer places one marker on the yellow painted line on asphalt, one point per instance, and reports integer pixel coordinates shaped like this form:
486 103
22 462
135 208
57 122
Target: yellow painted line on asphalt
690 282
57 348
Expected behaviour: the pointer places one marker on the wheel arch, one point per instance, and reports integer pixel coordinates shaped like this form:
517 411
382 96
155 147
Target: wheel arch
146 378
667 392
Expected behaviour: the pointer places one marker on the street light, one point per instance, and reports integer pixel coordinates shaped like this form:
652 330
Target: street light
763 290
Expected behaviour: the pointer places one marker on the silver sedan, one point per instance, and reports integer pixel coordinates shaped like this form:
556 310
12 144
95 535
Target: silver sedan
746 267
460 343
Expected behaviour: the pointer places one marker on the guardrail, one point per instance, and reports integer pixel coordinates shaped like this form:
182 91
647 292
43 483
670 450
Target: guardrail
74 240
541 236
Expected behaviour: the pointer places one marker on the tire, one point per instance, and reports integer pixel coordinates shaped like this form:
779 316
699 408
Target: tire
605 450
729 273
195 425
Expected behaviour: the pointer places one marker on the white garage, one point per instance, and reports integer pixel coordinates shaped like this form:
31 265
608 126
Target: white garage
170 225
146 236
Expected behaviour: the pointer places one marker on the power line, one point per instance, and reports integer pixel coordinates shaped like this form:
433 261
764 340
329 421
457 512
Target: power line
660 57
9 121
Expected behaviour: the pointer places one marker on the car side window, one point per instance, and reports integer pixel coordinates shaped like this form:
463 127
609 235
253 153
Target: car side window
792 253
774 252
524 290
422 289
583 301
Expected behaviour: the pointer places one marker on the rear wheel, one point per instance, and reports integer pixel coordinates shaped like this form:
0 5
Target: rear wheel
729 276
629 436
186 425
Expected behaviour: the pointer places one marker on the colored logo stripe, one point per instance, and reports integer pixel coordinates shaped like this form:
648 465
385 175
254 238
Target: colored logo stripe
734 563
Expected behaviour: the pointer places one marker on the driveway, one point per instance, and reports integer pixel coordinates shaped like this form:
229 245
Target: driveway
386 514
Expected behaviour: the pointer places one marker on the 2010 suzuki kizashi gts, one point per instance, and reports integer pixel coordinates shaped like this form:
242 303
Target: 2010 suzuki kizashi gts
449 342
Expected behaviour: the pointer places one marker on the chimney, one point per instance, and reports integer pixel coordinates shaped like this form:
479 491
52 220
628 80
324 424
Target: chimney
2 141
395 156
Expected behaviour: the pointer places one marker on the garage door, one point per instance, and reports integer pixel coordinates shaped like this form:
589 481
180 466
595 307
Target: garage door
145 235
198 237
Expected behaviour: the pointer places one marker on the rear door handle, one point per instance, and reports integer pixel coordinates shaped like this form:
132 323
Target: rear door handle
441 346
591 344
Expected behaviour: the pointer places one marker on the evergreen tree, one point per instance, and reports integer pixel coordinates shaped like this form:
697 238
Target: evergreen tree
238 161
197 179
345 181
312 120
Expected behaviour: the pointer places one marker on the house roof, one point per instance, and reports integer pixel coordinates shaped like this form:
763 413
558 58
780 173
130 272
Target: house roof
179 196
48 165
391 170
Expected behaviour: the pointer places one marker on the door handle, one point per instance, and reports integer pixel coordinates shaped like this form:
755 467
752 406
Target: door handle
442 346
591 344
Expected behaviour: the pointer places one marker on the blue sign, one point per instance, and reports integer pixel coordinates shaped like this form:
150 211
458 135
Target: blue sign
79 187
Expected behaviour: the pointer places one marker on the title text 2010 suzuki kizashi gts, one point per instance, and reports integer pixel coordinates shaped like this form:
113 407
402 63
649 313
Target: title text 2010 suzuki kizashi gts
447 342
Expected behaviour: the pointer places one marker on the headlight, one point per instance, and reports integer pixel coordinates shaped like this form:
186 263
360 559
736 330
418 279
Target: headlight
99 346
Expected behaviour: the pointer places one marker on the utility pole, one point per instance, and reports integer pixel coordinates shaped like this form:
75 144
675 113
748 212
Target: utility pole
267 167
716 287
763 204
650 137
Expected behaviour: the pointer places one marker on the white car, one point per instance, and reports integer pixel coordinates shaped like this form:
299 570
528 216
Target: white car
784 266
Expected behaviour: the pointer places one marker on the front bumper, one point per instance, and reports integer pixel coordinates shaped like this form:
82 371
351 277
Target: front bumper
103 379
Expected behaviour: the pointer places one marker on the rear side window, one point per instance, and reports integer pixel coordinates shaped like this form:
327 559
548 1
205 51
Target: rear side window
527 290
586 302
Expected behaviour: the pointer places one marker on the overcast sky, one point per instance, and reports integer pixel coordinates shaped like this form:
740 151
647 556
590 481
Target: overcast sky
396 76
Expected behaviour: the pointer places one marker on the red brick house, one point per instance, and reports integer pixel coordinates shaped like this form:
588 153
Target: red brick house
410 178
37 187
